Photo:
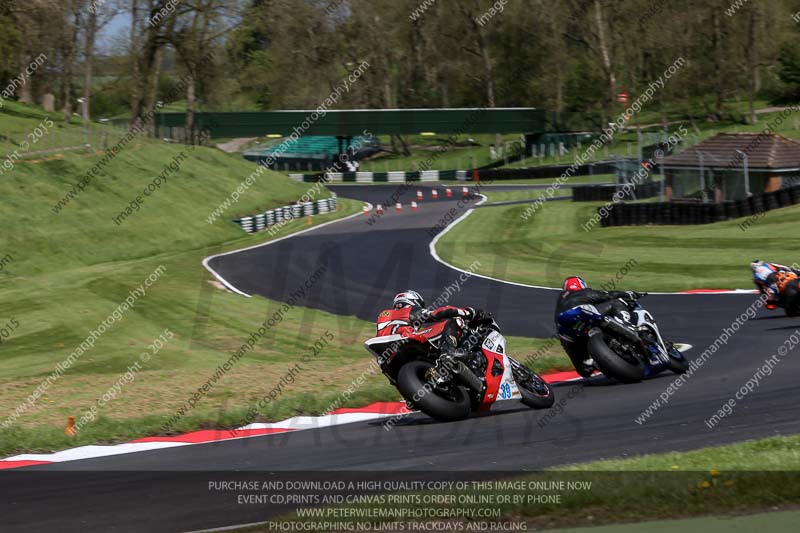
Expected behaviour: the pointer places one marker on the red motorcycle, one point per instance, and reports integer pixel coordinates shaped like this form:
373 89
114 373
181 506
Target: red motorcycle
451 389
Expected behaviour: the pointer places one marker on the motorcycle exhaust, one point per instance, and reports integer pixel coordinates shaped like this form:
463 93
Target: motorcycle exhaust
467 377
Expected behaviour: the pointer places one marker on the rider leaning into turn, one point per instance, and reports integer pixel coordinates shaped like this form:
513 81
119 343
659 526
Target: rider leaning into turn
770 277
576 292
408 313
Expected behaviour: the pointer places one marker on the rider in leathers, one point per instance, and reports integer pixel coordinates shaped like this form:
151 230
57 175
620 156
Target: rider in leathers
576 292
409 313
765 277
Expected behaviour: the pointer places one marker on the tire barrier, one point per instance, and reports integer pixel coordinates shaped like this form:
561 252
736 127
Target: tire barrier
548 172
497 174
605 193
756 203
384 177
686 213
771 201
287 213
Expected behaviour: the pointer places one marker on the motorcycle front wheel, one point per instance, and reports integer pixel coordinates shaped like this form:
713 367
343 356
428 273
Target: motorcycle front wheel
536 393
677 362
452 403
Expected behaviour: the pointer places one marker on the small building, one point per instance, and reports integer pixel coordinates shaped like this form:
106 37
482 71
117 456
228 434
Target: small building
732 166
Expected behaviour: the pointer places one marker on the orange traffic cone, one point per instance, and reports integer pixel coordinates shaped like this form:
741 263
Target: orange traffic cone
413 206
365 210
464 192
448 193
435 194
419 195
379 209
398 207
70 430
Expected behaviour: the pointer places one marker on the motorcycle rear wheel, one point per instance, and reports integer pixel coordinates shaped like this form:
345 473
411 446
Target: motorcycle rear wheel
419 392
611 363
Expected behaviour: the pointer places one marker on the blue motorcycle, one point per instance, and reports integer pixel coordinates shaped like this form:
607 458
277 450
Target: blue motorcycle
627 348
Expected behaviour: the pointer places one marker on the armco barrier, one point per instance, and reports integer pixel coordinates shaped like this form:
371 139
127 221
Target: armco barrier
281 215
686 213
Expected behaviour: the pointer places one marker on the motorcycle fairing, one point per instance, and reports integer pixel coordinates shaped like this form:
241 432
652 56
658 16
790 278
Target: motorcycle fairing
643 319
573 322
499 386
384 347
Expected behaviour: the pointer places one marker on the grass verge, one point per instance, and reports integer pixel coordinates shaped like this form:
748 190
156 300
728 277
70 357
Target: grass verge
736 479
552 245
66 273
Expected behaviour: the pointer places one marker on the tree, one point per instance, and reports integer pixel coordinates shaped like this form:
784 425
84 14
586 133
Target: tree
69 50
38 23
151 30
197 31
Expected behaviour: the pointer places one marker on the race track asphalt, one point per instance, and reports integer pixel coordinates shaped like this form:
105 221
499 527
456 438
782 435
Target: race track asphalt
165 490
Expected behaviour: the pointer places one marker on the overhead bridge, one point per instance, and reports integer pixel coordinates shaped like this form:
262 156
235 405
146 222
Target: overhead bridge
354 122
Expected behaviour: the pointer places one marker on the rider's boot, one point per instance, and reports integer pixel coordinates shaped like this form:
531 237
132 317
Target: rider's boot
586 368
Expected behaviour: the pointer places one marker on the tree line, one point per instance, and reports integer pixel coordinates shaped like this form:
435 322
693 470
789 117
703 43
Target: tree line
571 55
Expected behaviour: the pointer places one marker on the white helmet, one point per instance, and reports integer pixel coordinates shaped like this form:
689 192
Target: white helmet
408 298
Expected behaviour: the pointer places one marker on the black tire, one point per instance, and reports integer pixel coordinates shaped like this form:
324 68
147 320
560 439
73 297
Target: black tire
417 392
790 299
536 393
677 362
611 364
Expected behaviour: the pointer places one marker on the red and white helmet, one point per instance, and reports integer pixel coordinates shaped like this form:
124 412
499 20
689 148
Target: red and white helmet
575 283
408 298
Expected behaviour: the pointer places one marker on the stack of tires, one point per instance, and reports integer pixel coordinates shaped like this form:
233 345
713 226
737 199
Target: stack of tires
593 193
718 212
770 200
795 194
732 210
756 203
784 197
286 213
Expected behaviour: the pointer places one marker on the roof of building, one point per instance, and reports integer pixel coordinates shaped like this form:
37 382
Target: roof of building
723 151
